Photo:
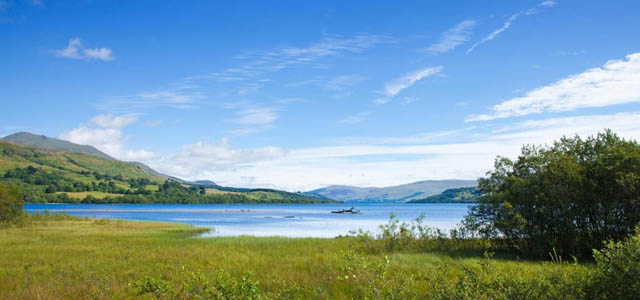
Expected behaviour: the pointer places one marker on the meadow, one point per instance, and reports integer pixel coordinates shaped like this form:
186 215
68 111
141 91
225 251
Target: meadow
57 256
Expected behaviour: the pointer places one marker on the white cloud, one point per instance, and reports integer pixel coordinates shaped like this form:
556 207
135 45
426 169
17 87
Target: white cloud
393 88
180 97
202 157
111 121
453 37
259 64
548 3
256 116
357 118
154 123
343 82
107 137
495 33
99 53
75 50
617 82
408 100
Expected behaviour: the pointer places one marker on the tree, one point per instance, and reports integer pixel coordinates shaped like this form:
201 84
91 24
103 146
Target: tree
570 197
11 202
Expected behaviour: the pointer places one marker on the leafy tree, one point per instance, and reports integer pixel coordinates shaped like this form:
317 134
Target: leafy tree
11 202
569 197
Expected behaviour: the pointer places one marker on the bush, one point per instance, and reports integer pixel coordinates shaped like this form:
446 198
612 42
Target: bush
617 274
11 202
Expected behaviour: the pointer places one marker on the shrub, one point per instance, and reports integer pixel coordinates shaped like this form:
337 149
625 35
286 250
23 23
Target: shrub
617 274
11 202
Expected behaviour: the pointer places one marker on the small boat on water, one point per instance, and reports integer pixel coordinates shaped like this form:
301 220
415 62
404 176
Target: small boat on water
351 210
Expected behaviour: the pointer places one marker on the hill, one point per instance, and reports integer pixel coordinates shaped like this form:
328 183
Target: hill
399 193
458 195
44 142
53 175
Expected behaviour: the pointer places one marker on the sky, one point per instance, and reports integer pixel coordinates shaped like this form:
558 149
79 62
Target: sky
298 95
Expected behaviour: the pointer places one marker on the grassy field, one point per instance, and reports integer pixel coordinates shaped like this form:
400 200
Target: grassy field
112 259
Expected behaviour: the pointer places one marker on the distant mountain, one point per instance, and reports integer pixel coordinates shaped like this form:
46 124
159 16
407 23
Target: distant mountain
44 142
207 183
400 193
458 195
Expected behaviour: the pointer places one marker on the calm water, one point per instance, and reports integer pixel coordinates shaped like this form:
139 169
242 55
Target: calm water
291 220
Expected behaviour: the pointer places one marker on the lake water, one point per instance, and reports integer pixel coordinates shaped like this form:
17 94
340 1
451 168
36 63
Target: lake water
291 220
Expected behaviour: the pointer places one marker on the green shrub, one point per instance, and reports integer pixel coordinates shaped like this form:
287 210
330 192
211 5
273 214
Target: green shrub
617 274
197 285
11 202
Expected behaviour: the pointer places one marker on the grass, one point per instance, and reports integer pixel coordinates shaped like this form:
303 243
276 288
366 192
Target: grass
113 259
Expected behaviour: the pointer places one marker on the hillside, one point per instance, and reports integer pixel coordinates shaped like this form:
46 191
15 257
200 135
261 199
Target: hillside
44 142
458 195
47 175
400 193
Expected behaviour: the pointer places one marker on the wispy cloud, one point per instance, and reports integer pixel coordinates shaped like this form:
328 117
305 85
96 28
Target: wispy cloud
357 118
495 33
453 37
111 121
569 53
393 88
256 116
543 4
532 11
408 100
180 97
548 3
75 50
614 83
154 123
343 82
259 64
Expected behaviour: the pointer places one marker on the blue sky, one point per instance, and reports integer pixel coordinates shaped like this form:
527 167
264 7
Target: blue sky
299 95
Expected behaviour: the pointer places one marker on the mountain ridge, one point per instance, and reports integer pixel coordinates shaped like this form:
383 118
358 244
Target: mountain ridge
41 141
398 193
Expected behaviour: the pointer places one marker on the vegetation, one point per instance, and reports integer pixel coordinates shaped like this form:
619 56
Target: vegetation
617 275
569 197
458 195
550 204
110 259
11 202
57 256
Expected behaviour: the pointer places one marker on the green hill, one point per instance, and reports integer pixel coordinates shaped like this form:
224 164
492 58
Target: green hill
44 142
61 175
458 195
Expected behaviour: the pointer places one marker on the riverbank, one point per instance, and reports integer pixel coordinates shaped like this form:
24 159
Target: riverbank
115 259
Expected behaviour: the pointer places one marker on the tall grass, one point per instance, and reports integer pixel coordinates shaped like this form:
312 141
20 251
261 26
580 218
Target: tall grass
64 257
